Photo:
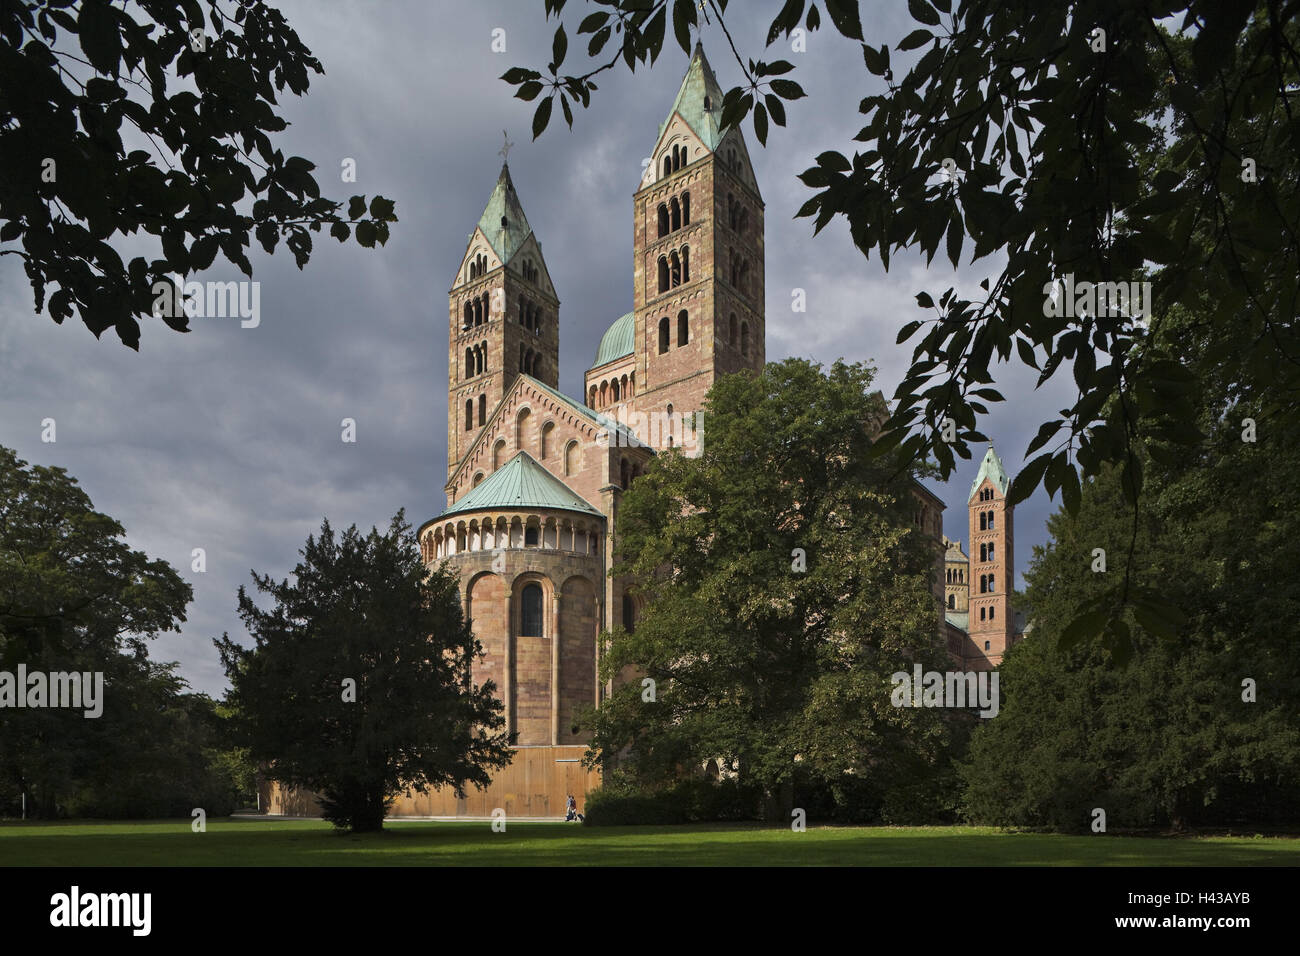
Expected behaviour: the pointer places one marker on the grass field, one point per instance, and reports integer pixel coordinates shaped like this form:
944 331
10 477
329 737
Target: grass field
313 843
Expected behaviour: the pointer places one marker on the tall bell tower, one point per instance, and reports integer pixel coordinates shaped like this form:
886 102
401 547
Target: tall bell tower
992 569
504 318
698 251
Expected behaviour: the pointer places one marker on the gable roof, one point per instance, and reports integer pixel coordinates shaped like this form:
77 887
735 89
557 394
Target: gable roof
627 436
619 340
991 468
521 483
503 221
610 424
698 83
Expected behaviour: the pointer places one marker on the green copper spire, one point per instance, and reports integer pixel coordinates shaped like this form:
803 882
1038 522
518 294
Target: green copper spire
991 468
503 220
699 85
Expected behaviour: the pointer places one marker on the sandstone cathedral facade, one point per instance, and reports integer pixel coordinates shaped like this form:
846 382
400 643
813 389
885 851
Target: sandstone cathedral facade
534 477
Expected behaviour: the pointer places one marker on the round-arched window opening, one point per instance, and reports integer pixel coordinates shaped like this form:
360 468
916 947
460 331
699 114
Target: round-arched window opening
530 611
530 538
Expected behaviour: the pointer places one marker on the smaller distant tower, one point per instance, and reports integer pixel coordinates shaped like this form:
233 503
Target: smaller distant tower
956 576
992 547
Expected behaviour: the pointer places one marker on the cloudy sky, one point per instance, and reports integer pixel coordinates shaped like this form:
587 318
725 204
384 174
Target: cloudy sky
228 438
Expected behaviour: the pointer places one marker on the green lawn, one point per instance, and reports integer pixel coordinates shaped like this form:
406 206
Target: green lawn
312 843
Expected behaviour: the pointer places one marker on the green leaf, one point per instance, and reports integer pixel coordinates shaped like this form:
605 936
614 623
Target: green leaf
923 12
915 39
760 123
787 89
542 116
875 62
906 331
955 234
1084 627
924 301
844 14
683 18
366 234
1027 480
559 46
99 35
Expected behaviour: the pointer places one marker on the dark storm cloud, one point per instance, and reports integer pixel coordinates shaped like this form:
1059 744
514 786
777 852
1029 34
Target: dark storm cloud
228 439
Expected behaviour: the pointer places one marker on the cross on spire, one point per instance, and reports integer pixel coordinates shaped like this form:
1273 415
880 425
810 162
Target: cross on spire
504 151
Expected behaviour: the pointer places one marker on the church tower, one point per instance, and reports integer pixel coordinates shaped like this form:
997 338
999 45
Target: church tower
504 318
992 545
698 259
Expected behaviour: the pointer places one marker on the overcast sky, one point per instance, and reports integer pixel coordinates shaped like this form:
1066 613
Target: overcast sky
228 438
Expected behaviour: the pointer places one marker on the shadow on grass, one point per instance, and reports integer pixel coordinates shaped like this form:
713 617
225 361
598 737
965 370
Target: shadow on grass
244 842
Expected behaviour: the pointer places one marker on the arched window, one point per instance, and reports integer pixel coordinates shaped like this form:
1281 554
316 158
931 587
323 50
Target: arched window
498 452
744 219
986 643
604 394
469 315
521 428
992 589
613 390
663 220
992 610
629 614
731 211
625 393
686 207
571 458
952 602
469 413
591 397
530 537
732 330
983 522
686 263
744 338
744 276
678 157
683 329
663 335
677 269
469 363
482 410
663 274
984 583
530 608
546 434
675 208
477 478
990 520
668 164
982 618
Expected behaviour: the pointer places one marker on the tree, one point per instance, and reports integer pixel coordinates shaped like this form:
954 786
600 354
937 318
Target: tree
359 684
782 584
147 116
75 597
1199 731
1079 139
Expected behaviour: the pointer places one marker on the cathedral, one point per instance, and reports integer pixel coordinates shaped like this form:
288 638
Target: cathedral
534 476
